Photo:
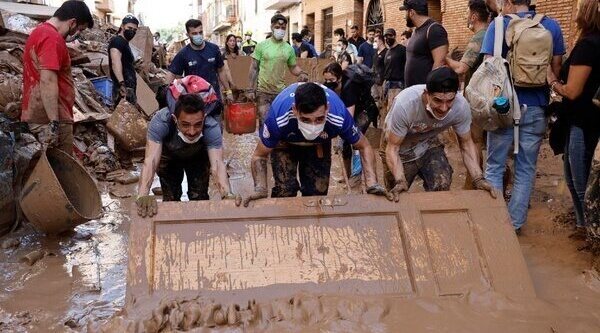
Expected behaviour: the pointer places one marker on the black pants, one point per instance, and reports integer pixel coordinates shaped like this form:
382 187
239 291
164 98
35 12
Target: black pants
312 164
197 169
433 168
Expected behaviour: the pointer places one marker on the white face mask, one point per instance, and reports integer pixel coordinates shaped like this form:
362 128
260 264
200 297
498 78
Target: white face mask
186 139
430 110
310 132
279 33
375 45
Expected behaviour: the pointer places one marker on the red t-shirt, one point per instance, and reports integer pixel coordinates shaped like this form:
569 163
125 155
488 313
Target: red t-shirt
46 49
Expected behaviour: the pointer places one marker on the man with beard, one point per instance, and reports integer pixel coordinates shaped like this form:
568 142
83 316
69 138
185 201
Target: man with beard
271 59
48 90
428 46
366 50
419 114
121 62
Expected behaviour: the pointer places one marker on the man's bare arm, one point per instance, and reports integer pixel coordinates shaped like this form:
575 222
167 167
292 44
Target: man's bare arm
392 156
49 93
367 156
117 66
219 171
439 56
151 161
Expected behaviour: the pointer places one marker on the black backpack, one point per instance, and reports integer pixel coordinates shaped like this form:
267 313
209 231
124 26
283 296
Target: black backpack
364 77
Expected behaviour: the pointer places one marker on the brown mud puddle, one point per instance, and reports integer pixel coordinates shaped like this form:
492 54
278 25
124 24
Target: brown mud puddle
83 277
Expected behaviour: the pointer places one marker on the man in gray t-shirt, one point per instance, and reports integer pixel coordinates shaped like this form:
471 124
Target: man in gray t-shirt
186 140
418 115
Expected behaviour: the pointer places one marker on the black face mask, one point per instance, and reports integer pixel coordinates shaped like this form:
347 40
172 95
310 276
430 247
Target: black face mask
331 85
129 34
390 41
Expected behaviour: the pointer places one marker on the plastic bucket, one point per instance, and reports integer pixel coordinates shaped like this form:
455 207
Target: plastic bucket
104 86
59 194
240 118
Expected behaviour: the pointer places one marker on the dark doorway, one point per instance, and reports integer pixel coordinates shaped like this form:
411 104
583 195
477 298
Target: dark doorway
327 27
435 9
375 15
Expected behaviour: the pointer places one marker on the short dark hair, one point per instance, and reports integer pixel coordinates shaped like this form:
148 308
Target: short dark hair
340 32
335 69
296 37
343 40
406 33
521 2
77 10
380 37
304 32
478 7
192 23
189 103
442 80
371 29
309 97
278 17
354 27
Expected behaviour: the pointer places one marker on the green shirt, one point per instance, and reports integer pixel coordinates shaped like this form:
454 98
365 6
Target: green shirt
472 57
274 59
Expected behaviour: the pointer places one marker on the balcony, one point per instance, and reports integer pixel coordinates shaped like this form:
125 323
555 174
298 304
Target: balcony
224 15
281 4
105 6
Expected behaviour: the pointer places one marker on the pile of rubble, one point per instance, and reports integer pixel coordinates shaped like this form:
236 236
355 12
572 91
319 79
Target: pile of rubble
93 142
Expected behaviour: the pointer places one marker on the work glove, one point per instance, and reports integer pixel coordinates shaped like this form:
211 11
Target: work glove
250 95
229 97
401 186
481 184
147 205
303 77
379 190
231 196
49 136
259 193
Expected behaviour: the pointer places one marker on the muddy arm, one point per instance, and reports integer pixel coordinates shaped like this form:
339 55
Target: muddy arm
117 66
392 157
259 167
253 74
470 156
225 76
219 171
49 92
151 161
367 156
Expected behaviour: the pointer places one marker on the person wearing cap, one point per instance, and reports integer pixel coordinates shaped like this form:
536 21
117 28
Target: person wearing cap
428 46
412 147
48 89
302 48
271 59
121 61
249 45
393 68
201 58
297 135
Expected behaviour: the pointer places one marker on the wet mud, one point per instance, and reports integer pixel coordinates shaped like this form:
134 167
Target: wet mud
82 288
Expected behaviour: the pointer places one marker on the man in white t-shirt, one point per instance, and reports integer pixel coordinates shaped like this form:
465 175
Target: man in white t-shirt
419 114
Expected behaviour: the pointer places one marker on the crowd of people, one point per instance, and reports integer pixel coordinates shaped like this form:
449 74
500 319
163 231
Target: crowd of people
410 86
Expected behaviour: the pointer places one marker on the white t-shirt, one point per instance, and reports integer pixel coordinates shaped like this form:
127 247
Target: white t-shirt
408 118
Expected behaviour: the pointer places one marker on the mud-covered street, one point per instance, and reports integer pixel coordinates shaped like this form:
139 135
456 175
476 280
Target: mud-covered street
81 277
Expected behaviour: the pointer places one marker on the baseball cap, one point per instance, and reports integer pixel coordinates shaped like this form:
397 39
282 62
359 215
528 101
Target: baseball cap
389 31
248 33
419 5
278 17
442 80
130 19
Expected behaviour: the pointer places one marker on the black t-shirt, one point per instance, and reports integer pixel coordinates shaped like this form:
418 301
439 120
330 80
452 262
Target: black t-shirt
582 112
351 92
395 60
357 42
419 60
127 61
379 65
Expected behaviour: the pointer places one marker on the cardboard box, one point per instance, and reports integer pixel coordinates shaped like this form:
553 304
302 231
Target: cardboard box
146 98
143 42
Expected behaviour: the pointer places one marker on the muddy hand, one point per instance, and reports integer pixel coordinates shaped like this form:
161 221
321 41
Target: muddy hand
123 91
231 196
250 96
303 77
229 97
49 137
379 190
147 205
255 196
401 186
482 184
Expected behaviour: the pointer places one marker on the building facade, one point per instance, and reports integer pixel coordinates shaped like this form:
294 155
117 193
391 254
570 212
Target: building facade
323 16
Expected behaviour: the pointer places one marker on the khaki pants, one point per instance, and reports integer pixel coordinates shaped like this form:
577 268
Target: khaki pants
65 135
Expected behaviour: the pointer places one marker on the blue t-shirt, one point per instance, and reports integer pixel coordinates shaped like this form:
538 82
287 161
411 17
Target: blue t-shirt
204 63
528 96
367 52
281 124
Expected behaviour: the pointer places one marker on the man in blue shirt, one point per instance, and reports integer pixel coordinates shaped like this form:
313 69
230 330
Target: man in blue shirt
297 133
201 58
366 50
532 124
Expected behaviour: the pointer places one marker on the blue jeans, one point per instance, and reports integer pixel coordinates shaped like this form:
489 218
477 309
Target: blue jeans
531 132
579 152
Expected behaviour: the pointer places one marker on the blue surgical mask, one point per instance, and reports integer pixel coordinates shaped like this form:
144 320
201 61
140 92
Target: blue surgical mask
197 40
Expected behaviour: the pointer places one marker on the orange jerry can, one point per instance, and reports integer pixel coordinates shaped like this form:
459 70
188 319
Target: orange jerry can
240 118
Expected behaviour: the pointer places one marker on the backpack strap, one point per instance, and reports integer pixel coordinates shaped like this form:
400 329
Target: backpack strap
429 28
538 18
498 35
